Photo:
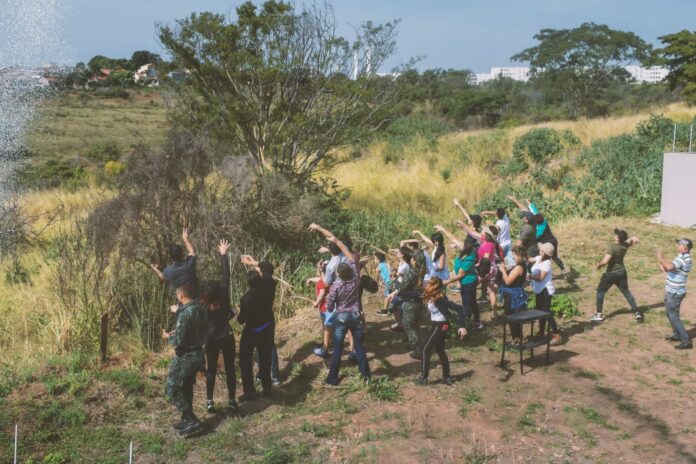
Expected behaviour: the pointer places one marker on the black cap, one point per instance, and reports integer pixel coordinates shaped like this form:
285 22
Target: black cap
685 241
528 215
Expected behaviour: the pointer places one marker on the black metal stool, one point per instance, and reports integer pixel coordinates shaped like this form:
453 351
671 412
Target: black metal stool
522 318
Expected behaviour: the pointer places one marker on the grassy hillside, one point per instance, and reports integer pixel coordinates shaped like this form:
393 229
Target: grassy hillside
426 174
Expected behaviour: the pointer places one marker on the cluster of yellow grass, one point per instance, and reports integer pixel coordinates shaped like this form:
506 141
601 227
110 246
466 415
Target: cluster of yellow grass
462 165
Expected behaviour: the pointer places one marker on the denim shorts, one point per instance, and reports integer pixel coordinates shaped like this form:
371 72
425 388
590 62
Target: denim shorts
327 319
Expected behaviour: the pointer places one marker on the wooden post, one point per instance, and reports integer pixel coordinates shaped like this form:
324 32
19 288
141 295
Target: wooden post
104 335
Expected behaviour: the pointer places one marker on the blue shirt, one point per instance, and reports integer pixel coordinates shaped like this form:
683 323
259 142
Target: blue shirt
676 278
385 275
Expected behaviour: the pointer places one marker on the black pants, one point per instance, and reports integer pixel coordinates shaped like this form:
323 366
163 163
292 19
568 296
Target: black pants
620 279
187 390
262 341
543 303
212 352
436 341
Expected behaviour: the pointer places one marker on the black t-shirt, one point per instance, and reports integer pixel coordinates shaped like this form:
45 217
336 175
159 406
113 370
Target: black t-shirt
256 306
182 272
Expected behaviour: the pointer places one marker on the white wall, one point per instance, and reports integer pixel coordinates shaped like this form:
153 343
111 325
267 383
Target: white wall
679 189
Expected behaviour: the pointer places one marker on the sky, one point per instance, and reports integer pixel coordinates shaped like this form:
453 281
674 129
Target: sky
447 33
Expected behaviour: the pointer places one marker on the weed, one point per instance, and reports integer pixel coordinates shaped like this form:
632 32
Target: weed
127 379
588 374
527 419
379 388
593 416
589 438
469 398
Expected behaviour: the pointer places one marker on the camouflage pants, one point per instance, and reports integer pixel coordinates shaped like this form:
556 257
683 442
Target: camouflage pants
182 376
410 318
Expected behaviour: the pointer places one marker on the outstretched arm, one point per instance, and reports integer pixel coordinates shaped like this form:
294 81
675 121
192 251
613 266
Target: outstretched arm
223 248
488 213
158 272
465 227
462 209
187 243
519 204
459 244
604 261
423 238
332 238
665 264
247 260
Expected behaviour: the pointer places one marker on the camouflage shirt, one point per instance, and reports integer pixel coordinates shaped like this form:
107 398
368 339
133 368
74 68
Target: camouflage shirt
191 328
408 284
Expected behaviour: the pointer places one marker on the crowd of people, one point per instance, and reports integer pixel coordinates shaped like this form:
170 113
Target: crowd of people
486 258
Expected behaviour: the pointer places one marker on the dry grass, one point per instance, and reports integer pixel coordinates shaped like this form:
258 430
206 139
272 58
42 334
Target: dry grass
417 182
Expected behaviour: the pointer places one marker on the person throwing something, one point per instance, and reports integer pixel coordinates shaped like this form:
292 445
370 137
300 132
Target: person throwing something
675 290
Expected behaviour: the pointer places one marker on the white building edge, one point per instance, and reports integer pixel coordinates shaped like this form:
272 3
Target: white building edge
651 75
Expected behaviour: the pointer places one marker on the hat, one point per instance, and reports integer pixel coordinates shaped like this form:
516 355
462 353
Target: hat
546 249
528 215
686 242
487 230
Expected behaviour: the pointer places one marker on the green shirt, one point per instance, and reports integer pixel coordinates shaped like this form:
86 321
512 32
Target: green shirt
466 264
191 328
617 252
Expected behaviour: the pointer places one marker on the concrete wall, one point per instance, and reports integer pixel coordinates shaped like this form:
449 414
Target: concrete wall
679 189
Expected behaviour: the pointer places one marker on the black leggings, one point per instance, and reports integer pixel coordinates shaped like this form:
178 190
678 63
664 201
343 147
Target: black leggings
212 352
620 279
263 341
436 341
543 303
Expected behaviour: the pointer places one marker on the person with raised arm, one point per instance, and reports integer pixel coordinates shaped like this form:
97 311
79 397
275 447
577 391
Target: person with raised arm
473 220
438 254
256 313
511 282
542 286
675 290
215 296
504 237
343 299
615 273
321 290
465 273
408 295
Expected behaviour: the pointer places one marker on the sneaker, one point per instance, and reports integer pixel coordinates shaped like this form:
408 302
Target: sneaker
684 346
421 380
247 397
319 351
415 355
396 328
232 406
275 382
383 312
447 381
597 317
672 338
211 406
478 325
556 340
640 318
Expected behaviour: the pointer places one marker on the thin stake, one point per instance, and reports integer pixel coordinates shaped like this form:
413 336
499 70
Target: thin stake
674 138
691 136
16 442
130 455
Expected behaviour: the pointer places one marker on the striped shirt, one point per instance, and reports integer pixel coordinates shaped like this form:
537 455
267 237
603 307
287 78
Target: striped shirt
676 278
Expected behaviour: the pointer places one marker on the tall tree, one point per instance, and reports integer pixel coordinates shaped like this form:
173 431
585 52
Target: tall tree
143 57
582 62
279 84
679 55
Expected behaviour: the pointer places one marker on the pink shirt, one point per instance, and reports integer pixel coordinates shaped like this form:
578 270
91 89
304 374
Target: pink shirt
488 248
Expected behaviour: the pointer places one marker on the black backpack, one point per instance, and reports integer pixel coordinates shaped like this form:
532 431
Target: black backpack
369 284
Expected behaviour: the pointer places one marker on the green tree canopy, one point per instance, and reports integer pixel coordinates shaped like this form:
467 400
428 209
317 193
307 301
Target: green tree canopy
680 56
581 63
277 84
143 57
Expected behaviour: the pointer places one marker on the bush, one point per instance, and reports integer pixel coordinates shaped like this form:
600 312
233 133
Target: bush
104 151
542 145
52 173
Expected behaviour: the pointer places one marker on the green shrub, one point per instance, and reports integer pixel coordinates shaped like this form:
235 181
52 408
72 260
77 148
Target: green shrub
542 145
52 173
565 306
104 151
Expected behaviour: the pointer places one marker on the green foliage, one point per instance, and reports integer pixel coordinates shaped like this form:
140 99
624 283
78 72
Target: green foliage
16 273
539 146
129 380
379 388
679 55
55 457
52 173
581 63
56 415
405 131
104 151
565 306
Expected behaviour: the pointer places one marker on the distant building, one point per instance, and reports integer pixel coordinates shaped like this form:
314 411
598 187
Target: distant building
651 75
146 74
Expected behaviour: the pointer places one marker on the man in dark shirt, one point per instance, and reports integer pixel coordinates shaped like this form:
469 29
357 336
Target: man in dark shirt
256 313
188 338
182 269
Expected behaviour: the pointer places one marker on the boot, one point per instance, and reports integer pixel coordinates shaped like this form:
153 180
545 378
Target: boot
190 423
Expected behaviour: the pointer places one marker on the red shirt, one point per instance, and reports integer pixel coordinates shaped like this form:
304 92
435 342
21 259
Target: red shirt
319 287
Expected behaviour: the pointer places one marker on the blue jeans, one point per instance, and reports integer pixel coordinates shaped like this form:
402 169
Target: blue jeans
672 305
343 323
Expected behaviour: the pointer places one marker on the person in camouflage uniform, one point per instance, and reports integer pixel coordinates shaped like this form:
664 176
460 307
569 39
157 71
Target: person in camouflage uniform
409 287
188 338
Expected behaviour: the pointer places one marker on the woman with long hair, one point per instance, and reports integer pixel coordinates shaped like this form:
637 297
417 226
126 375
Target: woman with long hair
441 314
438 254
511 280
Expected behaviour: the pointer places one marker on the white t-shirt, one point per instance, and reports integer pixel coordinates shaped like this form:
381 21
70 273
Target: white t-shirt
402 268
546 282
435 314
503 226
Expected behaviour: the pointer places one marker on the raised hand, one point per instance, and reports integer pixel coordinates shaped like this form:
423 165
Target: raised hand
223 247
462 333
323 249
185 234
247 260
173 309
